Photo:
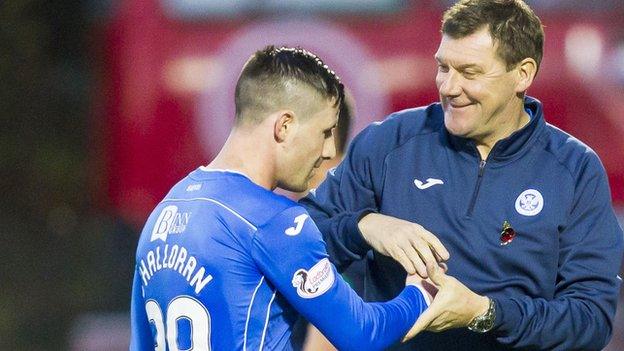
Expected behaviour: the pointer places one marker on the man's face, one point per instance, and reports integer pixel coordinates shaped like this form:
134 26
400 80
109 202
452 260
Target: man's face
312 142
476 91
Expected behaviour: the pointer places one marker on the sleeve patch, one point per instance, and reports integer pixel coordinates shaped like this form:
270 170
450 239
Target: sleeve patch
314 282
296 229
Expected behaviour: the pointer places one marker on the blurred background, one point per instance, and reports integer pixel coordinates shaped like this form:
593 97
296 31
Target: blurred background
106 104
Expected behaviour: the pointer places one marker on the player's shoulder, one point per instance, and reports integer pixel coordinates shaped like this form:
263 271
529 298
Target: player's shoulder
292 215
401 126
292 232
234 191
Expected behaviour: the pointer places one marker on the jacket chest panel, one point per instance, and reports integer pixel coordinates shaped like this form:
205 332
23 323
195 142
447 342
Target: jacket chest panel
513 228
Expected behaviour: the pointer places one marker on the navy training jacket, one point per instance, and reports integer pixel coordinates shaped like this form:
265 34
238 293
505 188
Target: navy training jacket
554 283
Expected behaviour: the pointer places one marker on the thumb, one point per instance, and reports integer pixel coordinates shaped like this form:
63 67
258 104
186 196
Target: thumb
436 274
421 324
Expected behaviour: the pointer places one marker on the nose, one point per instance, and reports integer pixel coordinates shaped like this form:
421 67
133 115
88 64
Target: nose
329 148
449 84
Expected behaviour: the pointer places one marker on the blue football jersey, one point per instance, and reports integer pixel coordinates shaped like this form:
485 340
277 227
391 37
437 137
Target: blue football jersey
224 264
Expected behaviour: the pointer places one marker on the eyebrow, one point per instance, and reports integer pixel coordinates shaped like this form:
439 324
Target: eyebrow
461 67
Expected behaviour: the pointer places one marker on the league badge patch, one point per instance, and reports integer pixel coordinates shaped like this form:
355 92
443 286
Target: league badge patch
314 282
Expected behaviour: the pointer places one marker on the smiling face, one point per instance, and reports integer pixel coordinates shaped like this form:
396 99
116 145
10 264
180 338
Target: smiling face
311 142
480 98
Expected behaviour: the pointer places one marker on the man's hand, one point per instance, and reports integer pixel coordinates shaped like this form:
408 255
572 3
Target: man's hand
425 285
408 243
454 305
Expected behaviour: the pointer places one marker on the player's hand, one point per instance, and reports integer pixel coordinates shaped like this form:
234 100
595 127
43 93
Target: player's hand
454 305
408 243
425 285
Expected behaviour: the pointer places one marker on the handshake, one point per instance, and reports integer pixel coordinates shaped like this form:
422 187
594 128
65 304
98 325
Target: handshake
451 303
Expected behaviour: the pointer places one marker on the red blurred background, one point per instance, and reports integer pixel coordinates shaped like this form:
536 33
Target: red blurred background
107 103
172 66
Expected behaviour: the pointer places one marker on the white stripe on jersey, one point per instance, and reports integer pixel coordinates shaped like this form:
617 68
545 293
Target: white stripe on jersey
266 322
218 203
249 313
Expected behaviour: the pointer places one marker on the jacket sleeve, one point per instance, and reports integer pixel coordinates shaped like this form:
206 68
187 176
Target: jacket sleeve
291 254
343 198
580 317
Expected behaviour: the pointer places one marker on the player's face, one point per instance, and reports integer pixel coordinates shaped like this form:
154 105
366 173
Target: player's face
312 143
476 90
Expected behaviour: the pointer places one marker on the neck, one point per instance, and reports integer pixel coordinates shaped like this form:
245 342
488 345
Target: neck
504 130
242 152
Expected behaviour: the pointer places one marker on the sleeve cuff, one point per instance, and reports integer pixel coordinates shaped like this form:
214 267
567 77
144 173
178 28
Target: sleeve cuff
354 237
507 315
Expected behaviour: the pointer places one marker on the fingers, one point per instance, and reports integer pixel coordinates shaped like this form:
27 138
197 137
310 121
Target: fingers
435 244
444 266
400 256
424 254
436 274
408 243
417 262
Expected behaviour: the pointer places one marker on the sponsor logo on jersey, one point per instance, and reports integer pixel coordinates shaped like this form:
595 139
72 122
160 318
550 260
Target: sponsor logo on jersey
170 221
529 203
428 183
194 187
315 281
296 229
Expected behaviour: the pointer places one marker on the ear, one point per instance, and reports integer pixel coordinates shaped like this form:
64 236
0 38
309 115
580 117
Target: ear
284 125
526 69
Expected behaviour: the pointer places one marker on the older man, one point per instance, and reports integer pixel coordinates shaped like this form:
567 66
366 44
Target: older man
522 207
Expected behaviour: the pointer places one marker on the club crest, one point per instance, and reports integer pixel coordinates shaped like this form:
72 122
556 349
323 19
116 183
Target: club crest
529 203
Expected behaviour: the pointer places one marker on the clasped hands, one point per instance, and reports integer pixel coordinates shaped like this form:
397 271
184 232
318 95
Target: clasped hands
422 255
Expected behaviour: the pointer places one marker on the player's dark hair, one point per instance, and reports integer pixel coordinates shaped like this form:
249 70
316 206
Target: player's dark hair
512 24
343 128
270 72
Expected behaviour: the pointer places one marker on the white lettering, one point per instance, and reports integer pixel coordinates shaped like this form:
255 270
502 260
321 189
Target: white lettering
199 281
180 262
164 260
190 267
158 265
144 273
172 256
163 223
150 262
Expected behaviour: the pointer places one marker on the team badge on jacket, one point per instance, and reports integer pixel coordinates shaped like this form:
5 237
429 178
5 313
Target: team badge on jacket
529 203
315 281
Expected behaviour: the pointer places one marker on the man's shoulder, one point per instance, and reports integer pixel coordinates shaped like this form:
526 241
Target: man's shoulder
399 127
417 120
570 151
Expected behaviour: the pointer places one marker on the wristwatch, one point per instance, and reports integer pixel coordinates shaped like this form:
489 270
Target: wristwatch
484 322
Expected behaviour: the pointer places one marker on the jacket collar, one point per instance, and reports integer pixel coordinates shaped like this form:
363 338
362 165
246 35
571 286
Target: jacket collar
512 146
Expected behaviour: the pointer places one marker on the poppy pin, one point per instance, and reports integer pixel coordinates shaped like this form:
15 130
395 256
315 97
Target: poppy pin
507 234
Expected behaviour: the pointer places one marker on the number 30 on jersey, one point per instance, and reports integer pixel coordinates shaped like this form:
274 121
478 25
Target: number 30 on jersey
167 332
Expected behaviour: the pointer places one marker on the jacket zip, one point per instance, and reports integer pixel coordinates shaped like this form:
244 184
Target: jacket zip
473 201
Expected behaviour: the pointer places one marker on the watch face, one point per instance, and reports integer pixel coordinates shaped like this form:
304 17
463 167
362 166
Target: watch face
484 323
